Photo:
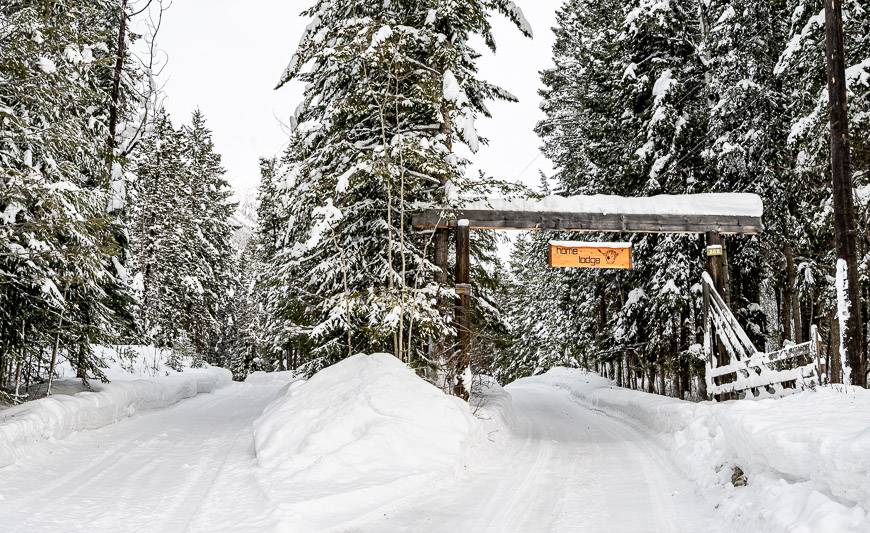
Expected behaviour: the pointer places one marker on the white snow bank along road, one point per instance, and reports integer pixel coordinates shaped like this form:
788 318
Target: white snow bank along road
806 456
187 468
358 435
57 416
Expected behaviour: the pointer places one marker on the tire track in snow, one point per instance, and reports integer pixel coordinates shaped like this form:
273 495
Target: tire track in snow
567 469
156 474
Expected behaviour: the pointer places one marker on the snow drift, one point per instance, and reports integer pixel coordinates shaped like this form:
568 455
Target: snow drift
57 416
806 456
358 435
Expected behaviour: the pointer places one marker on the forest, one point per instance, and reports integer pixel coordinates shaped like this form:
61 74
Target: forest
118 225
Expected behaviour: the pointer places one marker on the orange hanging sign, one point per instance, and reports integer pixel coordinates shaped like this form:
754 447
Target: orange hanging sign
573 254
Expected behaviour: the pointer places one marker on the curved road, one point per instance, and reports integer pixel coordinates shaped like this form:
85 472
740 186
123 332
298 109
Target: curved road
566 469
192 468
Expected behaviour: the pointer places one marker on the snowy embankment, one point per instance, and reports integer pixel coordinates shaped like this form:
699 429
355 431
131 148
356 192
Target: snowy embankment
806 458
365 433
57 416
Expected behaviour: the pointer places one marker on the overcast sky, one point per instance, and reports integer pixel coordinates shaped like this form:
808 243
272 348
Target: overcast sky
225 57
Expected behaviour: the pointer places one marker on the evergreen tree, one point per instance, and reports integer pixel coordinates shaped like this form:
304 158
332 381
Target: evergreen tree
182 231
661 97
61 274
390 88
207 230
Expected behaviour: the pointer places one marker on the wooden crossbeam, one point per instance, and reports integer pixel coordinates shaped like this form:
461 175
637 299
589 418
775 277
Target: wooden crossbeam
586 222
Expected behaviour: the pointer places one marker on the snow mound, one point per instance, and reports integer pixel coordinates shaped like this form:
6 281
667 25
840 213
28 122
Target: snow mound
493 407
57 416
358 435
806 456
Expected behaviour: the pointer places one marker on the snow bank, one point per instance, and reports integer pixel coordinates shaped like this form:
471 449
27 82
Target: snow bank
126 362
57 416
715 204
493 407
806 456
358 435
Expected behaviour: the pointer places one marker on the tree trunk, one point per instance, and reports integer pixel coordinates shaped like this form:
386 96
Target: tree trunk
442 244
834 350
114 102
651 378
792 298
841 177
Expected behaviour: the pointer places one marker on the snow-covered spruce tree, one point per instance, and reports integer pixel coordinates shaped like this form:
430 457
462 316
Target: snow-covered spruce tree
60 280
801 73
626 113
694 97
647 99
746 144
158 216
182 232
390 88
207 236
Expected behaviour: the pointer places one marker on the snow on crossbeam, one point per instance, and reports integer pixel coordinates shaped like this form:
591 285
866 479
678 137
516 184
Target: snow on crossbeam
693 213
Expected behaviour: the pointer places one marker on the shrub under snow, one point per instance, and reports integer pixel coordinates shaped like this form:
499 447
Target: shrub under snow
357 435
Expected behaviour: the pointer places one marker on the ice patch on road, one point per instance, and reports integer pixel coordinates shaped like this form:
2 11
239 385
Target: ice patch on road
807 456
358 435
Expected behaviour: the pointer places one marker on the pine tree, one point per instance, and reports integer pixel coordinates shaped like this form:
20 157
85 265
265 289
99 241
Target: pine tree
207 231
390 89
61 279
182 231
664 97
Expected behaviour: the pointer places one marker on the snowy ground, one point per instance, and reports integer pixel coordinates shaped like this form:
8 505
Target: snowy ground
189 467
368 447
566 468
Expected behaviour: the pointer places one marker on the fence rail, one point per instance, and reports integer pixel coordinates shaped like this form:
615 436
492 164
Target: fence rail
750 373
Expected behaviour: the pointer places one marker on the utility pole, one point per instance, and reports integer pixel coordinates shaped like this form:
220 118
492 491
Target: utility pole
844 206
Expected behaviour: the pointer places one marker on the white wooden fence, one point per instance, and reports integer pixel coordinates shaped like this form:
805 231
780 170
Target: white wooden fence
750 373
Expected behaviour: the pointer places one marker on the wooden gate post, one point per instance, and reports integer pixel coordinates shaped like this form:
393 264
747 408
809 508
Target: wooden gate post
715 252
442 245
463 310
715 264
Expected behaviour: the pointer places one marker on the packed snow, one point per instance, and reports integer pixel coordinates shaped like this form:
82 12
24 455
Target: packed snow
366 445
356 436
188 467
714 204
591 244
806 457
56 417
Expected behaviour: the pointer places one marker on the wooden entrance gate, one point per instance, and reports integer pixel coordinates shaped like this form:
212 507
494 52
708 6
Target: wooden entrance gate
734 367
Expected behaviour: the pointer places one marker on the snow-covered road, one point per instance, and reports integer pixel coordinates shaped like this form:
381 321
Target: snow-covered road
567 469
191 467
186 468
